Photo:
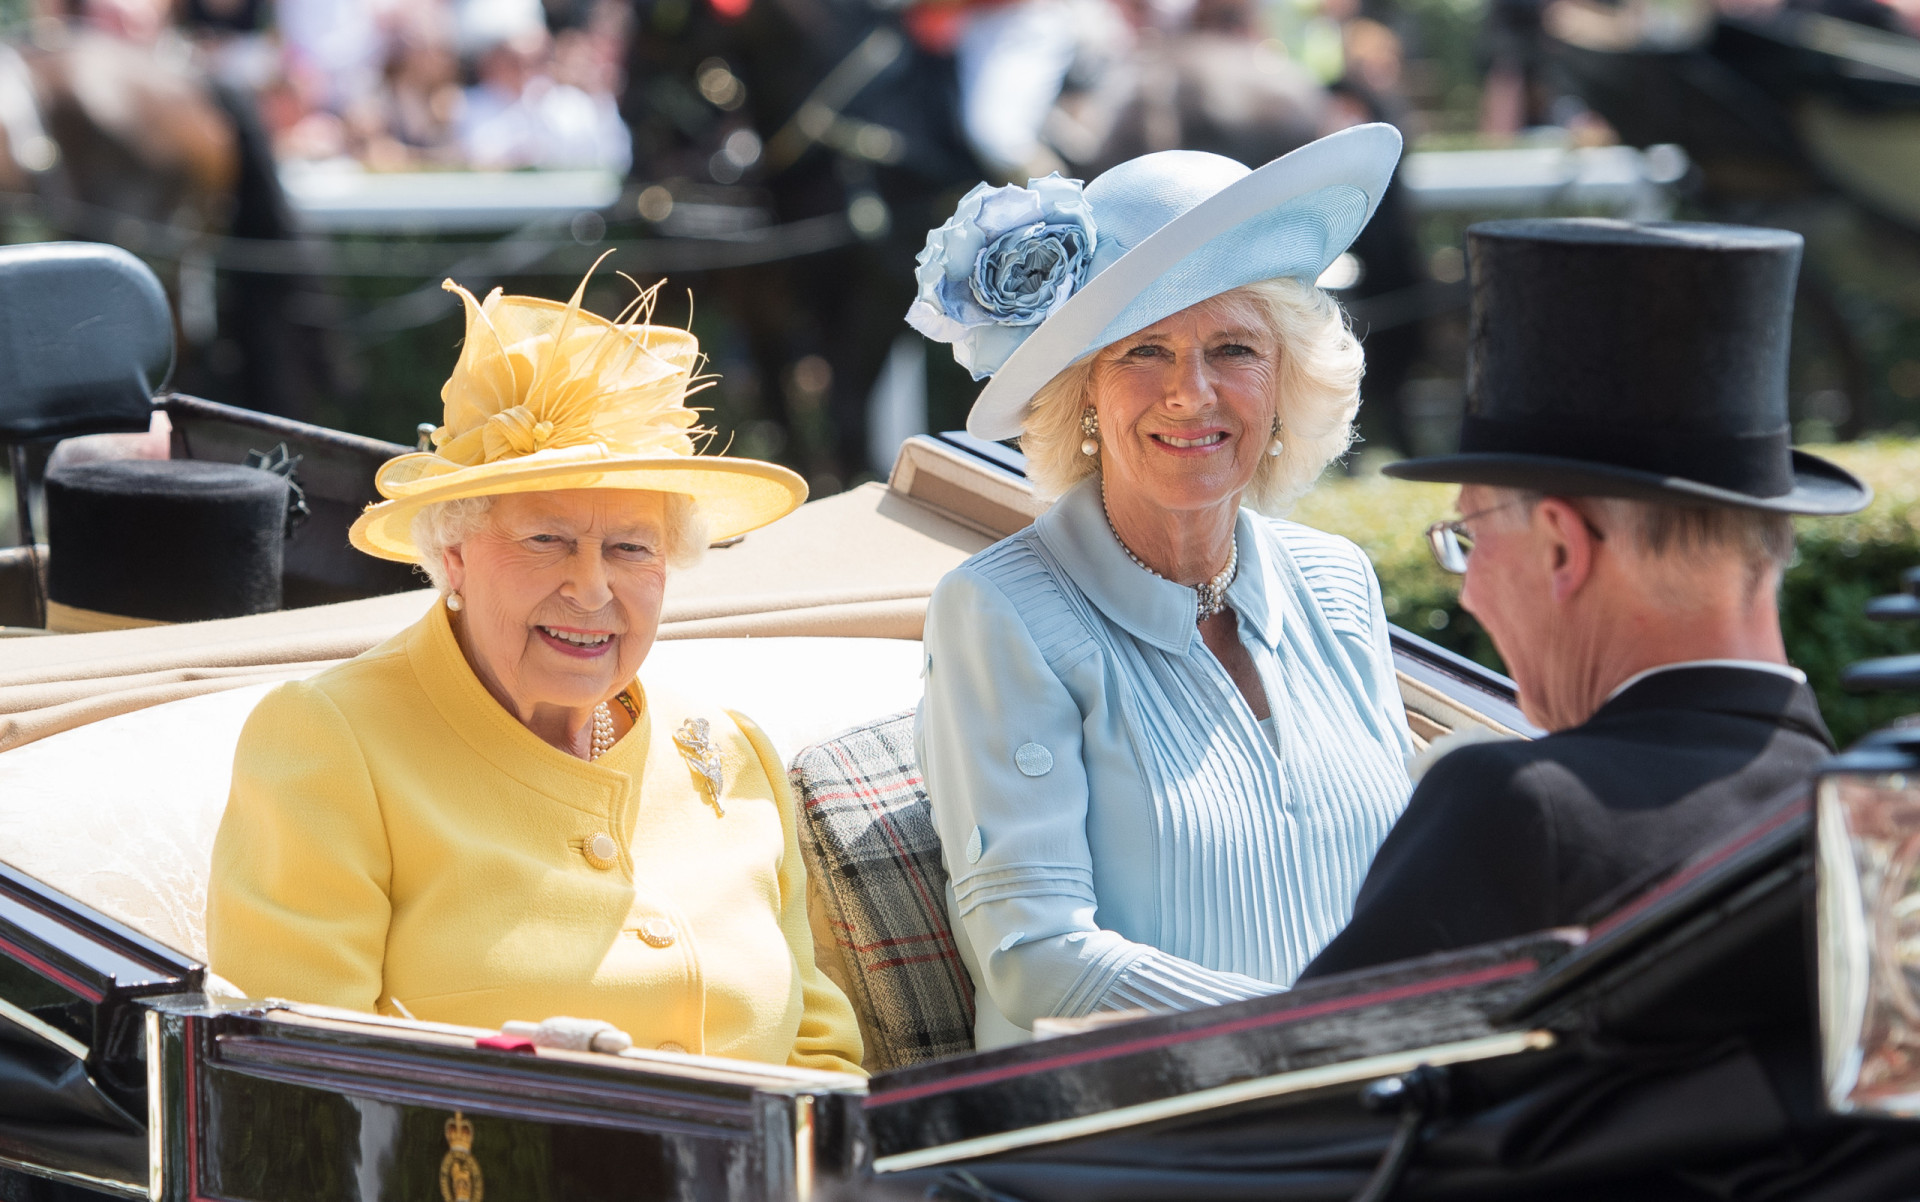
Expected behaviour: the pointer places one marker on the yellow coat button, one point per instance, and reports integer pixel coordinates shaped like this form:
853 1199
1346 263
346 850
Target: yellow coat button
672 1046
601 851
658 932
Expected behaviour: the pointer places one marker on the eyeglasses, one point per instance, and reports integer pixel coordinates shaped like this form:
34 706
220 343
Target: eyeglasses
1451 542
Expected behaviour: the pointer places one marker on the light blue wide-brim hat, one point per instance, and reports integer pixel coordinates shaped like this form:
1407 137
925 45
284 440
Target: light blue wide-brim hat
1175 228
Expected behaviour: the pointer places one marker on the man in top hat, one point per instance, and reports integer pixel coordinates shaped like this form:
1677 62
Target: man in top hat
1626 479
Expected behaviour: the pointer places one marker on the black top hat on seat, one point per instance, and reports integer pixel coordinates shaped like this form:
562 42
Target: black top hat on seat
162 540
1643 360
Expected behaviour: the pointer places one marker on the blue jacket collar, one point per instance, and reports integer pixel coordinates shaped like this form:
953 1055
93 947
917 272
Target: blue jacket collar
1153 609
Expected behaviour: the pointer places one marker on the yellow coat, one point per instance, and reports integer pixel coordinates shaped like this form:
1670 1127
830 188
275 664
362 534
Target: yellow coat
393 834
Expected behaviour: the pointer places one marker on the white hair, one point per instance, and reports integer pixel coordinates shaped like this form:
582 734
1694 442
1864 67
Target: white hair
1317 391
449 523
1686 537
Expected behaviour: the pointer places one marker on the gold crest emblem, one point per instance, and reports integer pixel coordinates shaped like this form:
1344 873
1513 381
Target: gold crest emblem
702 756
459 1171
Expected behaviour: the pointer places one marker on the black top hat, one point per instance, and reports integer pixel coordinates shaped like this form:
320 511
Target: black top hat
166 540
1614 358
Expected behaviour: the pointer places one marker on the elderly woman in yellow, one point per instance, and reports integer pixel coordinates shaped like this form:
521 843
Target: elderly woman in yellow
489 817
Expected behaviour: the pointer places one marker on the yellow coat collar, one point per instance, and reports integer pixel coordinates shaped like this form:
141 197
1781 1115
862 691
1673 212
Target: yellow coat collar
499 737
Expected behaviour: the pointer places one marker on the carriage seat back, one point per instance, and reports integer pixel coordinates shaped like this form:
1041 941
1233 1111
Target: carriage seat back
878 893
86 339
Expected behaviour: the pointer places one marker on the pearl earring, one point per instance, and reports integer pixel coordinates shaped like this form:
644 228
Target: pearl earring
1089 426
1274 445
455 603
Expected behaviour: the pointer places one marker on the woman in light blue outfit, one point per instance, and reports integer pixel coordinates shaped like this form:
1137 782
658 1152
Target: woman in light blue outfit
1161 730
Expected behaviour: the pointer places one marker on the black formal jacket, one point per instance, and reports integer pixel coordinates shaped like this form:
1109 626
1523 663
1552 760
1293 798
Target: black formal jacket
1508 838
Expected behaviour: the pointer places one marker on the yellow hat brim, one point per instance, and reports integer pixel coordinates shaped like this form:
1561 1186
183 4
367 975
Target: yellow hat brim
734 496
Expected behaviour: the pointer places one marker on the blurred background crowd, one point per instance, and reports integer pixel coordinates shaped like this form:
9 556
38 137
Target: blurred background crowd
304 171
396 85
303 174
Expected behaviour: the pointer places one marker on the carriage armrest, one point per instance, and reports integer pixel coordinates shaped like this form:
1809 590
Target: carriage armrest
979 484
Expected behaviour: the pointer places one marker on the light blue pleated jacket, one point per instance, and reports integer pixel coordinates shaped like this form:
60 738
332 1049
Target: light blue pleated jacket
1119 831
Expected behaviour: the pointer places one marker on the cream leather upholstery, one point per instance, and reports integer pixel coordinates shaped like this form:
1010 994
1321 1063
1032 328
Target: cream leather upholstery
120 814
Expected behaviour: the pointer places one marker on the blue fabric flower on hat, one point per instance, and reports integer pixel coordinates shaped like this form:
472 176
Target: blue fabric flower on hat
1006 260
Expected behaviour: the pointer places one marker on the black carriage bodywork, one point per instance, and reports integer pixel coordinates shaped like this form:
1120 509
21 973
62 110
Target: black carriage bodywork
169 1093
73 1063
1676 1008
1657 1054
270 1102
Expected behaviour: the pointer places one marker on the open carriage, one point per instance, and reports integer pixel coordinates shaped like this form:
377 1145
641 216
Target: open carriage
1666 1048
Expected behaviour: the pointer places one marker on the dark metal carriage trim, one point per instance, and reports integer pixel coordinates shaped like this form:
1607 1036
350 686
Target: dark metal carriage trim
27 1021
199 409
1326 1076
1438 667
105 1185
108 950
503 1088
72 984
193 1031
156 1105
1483 976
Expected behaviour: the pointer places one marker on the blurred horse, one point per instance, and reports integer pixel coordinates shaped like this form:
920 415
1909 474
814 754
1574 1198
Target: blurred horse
787 110
112 140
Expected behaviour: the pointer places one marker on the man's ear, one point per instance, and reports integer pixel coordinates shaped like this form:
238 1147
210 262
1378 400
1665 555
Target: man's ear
1569 542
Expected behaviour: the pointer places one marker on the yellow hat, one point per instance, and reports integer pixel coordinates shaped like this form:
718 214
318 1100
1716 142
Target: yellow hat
547 396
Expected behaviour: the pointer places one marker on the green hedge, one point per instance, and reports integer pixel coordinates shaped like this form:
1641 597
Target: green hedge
1840 563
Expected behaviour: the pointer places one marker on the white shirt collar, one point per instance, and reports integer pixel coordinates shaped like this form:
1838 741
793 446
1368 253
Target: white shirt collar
1757 665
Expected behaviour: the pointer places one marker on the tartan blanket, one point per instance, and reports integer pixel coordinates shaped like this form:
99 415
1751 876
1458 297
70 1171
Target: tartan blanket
873 854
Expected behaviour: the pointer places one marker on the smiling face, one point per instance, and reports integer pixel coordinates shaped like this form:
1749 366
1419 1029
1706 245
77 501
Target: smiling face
1186 405
562 594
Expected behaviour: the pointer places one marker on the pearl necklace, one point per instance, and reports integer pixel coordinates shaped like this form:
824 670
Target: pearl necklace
602 731
1213 593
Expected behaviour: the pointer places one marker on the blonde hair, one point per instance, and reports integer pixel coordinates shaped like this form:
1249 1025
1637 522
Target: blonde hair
1317 391
449 523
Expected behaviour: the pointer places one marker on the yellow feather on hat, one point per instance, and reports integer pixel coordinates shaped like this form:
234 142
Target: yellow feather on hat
549 396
